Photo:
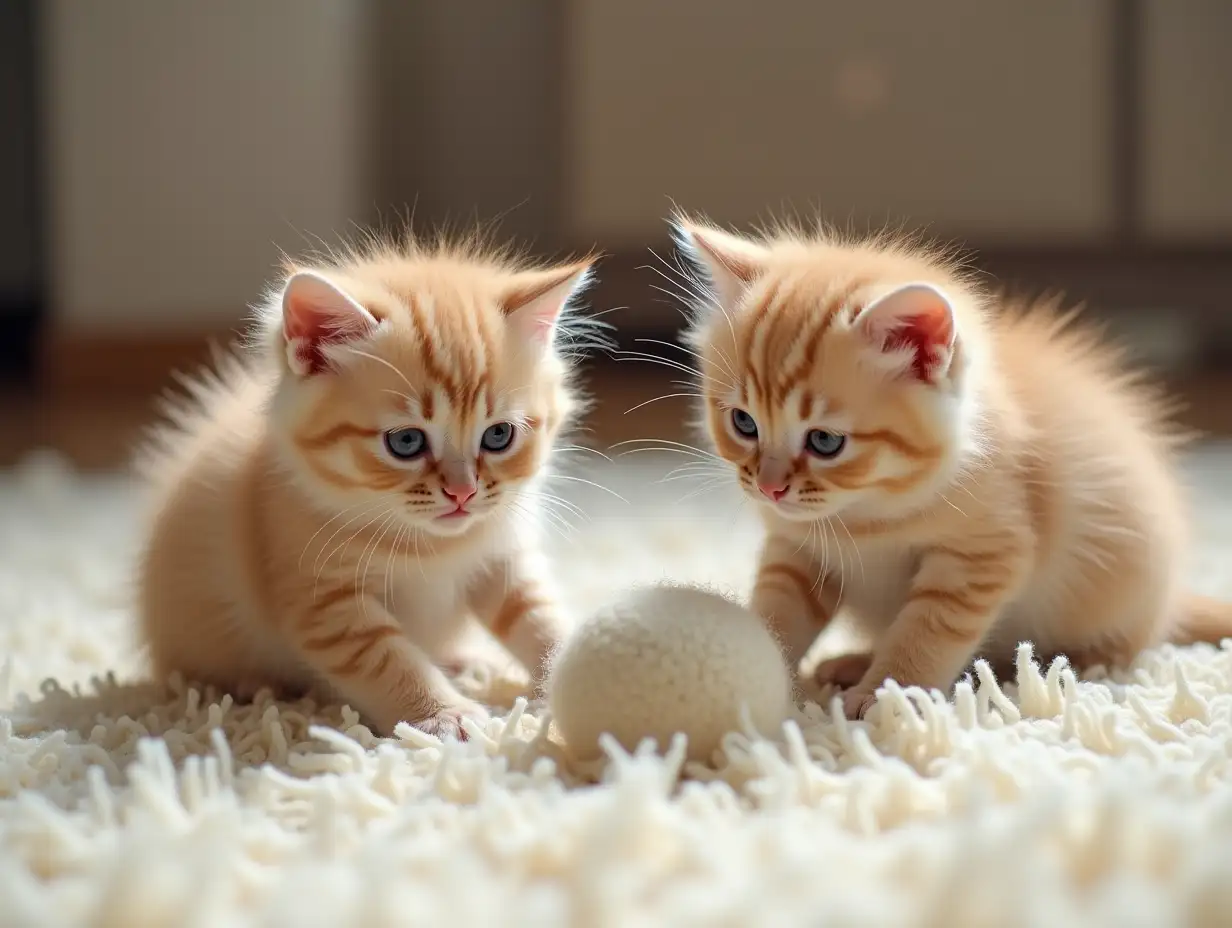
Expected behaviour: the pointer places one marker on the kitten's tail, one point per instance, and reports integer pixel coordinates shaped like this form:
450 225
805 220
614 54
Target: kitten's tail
1203 620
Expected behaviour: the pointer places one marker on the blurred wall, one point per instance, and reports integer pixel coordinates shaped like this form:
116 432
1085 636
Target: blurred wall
987 120
1187 120
186 139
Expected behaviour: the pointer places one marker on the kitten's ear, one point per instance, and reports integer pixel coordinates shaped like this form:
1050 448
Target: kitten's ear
318 314
534 300
731 263
913 326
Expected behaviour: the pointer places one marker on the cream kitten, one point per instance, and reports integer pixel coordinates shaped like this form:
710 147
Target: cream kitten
333 506
960 472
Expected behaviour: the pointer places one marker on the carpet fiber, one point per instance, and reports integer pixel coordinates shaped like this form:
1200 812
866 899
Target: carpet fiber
1053 802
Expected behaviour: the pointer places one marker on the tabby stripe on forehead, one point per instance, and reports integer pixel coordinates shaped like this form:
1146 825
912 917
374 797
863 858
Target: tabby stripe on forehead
822 323
756 316
484 382
431 363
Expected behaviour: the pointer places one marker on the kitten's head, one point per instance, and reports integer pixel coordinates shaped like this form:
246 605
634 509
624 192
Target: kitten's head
422 383
836 375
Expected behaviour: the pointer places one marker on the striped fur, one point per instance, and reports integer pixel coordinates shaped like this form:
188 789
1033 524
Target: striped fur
289 547
1002 478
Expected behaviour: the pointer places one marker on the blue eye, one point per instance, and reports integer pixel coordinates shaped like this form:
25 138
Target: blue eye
743 423
406 444
497 437
825 444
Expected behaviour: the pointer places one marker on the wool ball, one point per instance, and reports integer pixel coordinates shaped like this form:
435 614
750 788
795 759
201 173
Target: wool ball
665 659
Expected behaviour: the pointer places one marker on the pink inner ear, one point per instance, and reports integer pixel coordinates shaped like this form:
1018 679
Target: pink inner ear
315 315
928 335
916 316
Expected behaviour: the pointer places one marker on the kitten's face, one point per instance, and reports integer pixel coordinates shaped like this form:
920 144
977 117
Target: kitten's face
831 376
424 394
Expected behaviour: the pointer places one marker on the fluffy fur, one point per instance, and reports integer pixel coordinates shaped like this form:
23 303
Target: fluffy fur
331 505
960 472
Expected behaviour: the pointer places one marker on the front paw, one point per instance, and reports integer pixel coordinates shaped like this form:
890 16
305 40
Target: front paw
445 722
844 671
857 702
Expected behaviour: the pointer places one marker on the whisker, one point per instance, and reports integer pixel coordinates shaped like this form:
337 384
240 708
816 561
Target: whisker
666 396
316 564
338 515
591 483
373 544
854 546
364 354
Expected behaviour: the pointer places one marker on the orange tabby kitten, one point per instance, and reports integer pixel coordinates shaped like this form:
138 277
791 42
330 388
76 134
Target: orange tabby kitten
331 508
960 473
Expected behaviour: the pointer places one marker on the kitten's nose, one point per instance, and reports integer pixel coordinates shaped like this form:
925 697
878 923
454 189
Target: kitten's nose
773 490
460 494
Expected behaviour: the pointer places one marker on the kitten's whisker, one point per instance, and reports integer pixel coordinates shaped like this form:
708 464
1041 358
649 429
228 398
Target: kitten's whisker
565 449
371 505
403 396
842 562
373 544
684 348
341 548
703 488
338 515
548 498
666 396
672 364
590 483
387 587
365 354
667 444
854 546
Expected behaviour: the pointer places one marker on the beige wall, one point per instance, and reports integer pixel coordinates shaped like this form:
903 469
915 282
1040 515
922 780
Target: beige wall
1187 120
186 141
981 118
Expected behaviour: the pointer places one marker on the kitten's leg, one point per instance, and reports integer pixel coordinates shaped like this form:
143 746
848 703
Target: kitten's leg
954 598
518 604
364 654
844 671
794 595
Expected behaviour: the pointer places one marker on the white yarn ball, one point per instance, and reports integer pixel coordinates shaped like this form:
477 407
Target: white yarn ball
666 659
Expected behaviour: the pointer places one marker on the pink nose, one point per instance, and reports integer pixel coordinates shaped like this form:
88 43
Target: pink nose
460 494
773 491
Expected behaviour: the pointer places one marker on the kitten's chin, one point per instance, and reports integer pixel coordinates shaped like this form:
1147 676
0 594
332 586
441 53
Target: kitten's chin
451 525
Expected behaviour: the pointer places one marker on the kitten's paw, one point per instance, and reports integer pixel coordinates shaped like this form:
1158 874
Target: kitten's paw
844 671
481 666
446 721
856 703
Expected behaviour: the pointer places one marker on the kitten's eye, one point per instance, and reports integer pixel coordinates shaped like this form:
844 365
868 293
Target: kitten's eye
406 444
825 444
497 437
743 423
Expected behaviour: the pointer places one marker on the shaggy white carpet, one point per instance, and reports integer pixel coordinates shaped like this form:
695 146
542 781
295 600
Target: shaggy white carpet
1052 803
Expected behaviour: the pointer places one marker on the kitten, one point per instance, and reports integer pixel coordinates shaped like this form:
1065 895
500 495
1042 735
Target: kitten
333 505
960 472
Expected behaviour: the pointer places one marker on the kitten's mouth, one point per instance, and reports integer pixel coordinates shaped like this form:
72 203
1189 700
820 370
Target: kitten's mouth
459 513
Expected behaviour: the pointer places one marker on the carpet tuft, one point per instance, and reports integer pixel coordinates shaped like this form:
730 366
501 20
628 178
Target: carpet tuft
1052 801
